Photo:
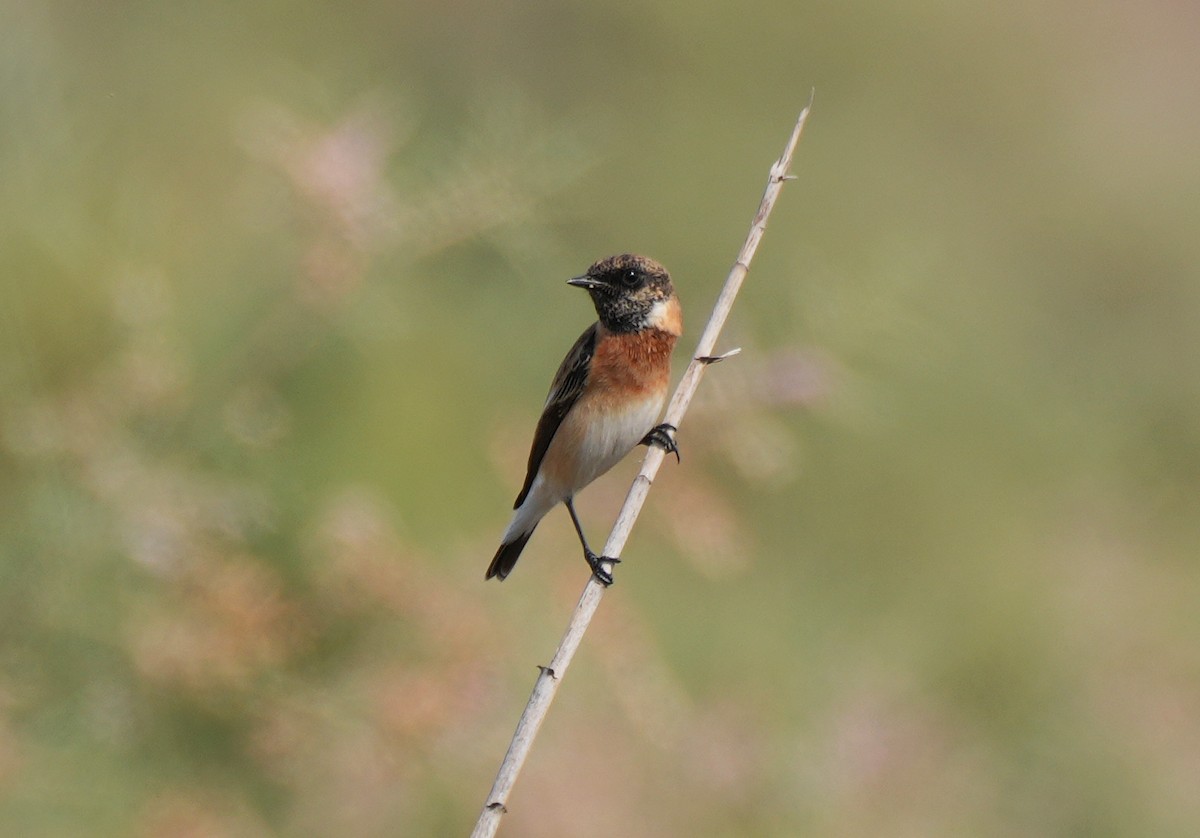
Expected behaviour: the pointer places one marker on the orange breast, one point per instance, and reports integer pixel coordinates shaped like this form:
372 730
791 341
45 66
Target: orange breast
636 364
626 386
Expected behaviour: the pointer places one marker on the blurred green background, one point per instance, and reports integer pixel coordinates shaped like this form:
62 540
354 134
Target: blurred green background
282 293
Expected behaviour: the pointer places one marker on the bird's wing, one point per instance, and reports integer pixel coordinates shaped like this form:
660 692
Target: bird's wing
564 392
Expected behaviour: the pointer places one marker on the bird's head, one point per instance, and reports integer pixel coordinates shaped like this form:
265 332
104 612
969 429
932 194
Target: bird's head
632 293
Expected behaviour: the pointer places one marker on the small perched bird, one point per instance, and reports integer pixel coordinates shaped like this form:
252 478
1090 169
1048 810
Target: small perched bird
604 400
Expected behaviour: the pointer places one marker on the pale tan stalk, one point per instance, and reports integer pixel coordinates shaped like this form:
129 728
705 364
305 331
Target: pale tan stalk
551 675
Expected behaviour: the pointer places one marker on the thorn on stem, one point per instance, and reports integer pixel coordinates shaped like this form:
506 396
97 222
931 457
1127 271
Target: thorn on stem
545 670
712 359
496 804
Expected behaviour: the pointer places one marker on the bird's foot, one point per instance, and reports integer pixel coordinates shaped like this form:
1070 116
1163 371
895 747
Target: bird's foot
604 577
664 437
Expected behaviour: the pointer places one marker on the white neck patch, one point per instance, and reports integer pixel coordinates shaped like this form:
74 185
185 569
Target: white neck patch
665 315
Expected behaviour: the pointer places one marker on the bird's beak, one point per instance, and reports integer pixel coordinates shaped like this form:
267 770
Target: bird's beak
585 281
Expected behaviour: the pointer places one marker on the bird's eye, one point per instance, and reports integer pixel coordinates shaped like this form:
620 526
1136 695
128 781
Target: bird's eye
629 278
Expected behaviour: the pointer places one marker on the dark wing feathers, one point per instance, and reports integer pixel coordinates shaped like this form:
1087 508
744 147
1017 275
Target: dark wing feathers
564 392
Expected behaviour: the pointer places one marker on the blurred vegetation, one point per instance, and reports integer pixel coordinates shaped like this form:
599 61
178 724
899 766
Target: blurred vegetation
282 291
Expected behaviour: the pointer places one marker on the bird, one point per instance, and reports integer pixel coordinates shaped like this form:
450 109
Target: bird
603 401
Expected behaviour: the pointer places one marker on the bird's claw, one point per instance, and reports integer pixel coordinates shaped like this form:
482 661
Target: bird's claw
664 437
604 577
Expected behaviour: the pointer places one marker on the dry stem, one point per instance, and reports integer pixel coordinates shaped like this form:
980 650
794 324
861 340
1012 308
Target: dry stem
550 676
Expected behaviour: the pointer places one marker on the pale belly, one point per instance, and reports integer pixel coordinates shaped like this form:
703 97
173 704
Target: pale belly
586 445
599 439
609 439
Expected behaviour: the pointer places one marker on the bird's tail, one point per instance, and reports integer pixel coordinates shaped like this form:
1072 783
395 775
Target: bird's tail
506 557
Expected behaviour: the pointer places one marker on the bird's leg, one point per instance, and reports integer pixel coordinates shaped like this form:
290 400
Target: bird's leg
594 561
664 437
